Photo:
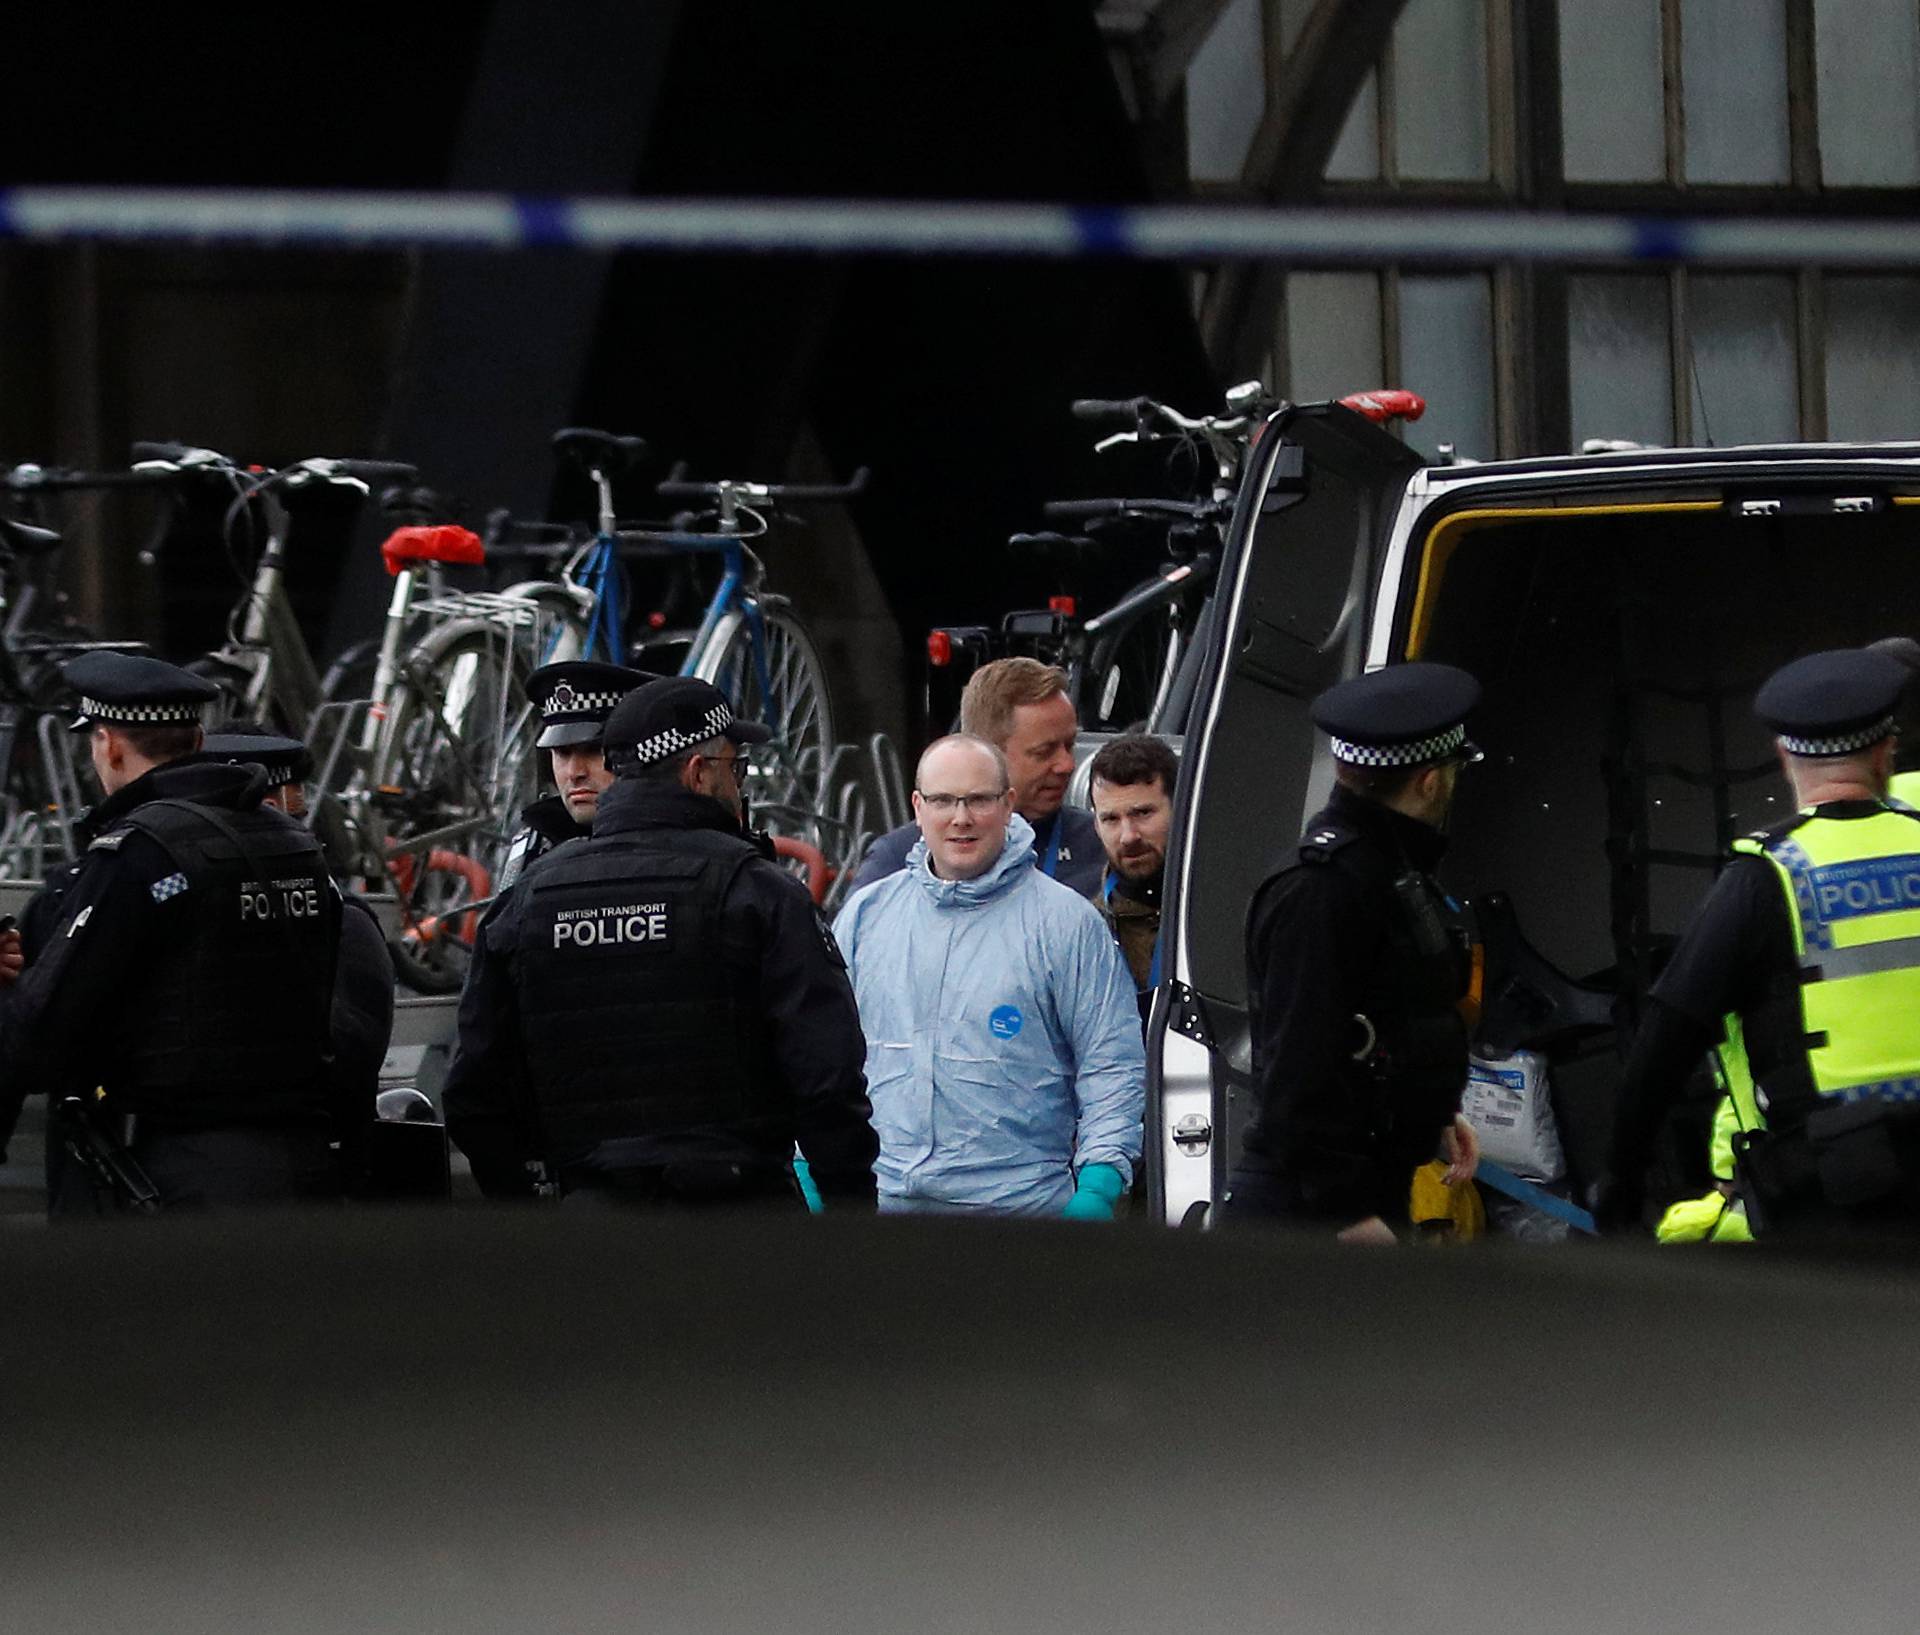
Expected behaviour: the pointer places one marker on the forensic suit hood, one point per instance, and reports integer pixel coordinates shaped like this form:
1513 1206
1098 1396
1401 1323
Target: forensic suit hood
1003 1040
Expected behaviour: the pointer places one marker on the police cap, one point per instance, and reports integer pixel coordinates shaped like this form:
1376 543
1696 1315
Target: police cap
666 718
133 690
247 743
574 699
1832 703
1405 715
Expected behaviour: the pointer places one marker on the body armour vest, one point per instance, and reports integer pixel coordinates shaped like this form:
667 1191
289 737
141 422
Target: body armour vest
1410 1053
634 1020
234 1021
1852 889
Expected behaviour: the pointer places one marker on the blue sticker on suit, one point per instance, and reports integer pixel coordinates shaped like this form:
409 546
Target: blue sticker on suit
1006 1022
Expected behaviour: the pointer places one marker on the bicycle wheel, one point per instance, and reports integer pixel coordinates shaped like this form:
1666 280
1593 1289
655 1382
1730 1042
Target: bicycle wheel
790 695
455 763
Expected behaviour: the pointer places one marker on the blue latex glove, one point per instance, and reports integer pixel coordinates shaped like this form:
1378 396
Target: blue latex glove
1096 1190
803 1173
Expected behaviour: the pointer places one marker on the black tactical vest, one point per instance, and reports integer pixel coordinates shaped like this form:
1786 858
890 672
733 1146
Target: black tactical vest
1410 1049
233 1023
634 1020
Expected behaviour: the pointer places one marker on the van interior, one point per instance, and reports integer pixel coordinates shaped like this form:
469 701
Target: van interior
1619 642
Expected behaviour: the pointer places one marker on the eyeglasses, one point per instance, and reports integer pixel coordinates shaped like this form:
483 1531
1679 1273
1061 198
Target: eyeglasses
977 805
741 762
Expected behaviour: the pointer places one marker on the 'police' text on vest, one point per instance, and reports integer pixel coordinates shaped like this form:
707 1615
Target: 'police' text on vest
630 925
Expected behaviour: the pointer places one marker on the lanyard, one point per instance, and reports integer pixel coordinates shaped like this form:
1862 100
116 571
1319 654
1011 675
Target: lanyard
1049 860
1153 968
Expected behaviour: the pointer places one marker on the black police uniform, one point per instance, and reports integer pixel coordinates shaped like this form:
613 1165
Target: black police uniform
363 996
657 1013
1739 957
574 699
181 976
1356 962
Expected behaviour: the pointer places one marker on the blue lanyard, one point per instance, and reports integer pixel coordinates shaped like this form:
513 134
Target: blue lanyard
1153 968
1049 860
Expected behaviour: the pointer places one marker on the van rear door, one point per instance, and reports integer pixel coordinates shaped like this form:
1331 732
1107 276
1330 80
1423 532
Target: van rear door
1294 591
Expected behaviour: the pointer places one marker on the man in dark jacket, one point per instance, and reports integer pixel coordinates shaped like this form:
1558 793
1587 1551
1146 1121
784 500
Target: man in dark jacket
1020 705
574 700
656 1015
363 974
178 985
1356 963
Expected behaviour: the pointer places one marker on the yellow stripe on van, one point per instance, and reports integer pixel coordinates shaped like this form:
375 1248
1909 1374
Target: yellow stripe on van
1446 537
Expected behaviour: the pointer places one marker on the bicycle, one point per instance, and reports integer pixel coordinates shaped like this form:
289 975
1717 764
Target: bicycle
421 767
747 641
1140 655
45 766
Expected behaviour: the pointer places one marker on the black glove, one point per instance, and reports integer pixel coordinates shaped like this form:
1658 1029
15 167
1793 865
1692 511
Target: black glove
1617 1206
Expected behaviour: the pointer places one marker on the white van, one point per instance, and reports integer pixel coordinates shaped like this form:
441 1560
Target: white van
1619 610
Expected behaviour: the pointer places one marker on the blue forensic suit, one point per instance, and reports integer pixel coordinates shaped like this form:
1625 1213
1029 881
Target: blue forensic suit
1003 1040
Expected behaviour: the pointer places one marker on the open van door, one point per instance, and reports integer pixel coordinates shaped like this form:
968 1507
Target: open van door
1289 619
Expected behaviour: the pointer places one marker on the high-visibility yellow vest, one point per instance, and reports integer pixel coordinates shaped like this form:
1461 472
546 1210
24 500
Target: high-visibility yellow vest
1853 893
1905 788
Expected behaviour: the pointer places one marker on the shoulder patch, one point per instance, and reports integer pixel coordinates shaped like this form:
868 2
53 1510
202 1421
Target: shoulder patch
111 841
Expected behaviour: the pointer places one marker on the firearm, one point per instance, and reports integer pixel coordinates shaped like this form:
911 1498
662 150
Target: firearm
106 1159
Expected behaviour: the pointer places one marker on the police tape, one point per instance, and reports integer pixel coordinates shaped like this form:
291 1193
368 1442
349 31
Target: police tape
1180 233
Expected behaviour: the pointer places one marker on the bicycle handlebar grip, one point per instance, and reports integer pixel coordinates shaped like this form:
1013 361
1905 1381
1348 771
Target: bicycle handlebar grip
1388 403
173 452
1075 510
1103 409
377 471
852 488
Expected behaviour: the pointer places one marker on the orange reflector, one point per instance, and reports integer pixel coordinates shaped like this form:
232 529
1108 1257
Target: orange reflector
939 649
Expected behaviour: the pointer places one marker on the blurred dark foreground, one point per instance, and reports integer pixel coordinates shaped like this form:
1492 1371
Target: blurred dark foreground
505 1421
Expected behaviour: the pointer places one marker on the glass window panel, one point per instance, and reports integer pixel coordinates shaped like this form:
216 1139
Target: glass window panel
1873 358
1356 156
1868 56
1611 94
1619 350
1226 94
1333 334
1733 66
1440 90
1744 383
1446 355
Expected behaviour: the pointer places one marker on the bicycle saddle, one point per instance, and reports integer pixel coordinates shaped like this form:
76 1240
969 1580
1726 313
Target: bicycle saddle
1063 551
27 540
599 449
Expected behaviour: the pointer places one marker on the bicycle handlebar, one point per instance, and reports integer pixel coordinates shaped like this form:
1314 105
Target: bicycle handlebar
1086 510
1125 411
34 479
678 487
1174 582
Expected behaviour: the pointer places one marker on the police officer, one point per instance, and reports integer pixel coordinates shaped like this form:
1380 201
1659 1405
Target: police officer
178 985
1808 940
656 1014
574 700
1356 962
363 974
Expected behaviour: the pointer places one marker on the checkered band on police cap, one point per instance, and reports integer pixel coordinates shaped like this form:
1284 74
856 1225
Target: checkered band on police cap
1845 743
175 713
1417 753
564 700
673 740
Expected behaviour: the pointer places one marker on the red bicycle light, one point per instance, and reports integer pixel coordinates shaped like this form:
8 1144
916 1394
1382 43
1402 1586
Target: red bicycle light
939 649
656 621
1063 605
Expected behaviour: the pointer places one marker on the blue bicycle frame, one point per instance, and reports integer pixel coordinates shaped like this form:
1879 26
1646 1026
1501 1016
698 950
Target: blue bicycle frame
601 572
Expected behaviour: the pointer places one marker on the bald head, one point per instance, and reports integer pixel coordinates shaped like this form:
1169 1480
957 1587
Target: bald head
963 801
